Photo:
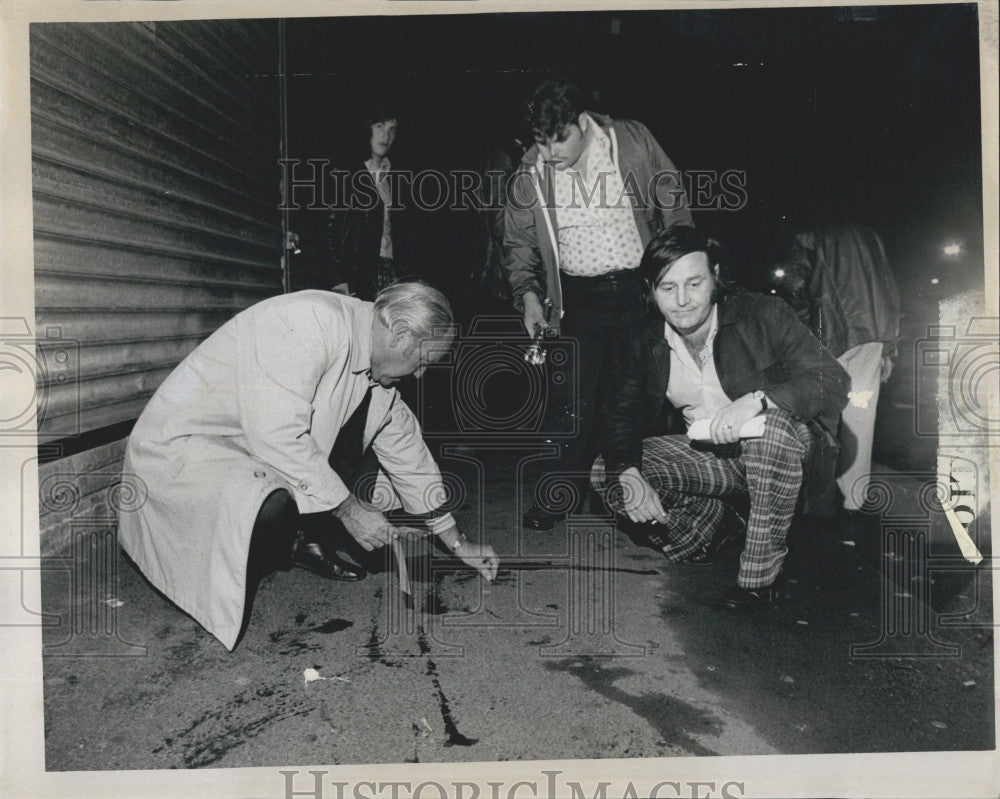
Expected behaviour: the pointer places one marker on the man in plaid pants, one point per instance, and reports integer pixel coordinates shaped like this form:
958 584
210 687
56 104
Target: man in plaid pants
750 381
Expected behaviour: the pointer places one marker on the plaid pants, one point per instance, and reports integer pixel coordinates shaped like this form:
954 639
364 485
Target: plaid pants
693 480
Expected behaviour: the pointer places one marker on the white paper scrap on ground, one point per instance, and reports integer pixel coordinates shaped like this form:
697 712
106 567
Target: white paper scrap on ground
311 675
701 430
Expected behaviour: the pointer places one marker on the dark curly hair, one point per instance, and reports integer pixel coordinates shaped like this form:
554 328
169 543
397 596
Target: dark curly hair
554 104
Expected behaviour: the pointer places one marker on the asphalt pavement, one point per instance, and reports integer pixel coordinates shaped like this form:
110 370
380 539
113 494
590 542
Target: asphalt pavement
586 646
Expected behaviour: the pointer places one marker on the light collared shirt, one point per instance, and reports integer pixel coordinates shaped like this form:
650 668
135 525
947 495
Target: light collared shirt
385 192
596 233
694 386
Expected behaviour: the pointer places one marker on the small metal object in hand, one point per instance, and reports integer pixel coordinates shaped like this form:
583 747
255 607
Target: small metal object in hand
535 354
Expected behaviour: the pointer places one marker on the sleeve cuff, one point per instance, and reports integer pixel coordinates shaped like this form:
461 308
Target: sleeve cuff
439 524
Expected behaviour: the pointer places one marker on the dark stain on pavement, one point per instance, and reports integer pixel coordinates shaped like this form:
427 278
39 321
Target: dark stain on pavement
455 738
674 719
374 644
332 626
216 732
292 647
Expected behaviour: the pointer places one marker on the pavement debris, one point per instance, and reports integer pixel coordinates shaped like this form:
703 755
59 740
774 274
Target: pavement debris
311 675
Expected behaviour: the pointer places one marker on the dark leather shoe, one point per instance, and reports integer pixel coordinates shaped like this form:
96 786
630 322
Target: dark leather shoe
537 518
326 564
745 599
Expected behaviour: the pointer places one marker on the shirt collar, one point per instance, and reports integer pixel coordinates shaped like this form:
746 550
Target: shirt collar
599 139
361 338
370 165
675 339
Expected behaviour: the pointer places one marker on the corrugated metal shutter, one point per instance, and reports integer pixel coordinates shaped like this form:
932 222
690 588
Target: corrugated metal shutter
155 188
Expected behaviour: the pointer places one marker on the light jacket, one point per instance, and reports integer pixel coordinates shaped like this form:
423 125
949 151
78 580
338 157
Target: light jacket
530 231
257 408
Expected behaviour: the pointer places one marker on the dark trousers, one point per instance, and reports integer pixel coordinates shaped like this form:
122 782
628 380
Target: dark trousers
279 520
599 313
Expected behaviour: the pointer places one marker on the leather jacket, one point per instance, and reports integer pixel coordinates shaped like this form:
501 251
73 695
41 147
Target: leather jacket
354 235
760 346
844 291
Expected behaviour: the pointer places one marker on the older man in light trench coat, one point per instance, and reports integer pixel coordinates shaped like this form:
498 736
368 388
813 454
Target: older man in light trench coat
255 410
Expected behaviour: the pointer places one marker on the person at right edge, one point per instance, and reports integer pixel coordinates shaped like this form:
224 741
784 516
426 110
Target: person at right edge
584 202
842 288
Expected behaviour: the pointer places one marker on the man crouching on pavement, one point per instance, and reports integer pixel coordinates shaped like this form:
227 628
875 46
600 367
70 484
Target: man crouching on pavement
264 431
749 379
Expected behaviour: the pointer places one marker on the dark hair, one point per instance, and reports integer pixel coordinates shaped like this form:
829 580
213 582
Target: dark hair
554 104
673 243
379 113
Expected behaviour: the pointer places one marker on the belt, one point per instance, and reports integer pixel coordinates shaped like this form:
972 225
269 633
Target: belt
617 276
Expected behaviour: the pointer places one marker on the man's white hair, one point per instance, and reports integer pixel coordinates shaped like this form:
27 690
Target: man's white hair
414 307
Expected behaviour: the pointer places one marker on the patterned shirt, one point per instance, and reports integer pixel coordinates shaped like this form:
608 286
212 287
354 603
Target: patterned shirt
597 233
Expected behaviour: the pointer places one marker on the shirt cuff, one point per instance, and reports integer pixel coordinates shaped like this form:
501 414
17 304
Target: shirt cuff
439 524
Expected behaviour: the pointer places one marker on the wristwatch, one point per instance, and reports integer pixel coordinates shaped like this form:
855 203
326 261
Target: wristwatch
759 395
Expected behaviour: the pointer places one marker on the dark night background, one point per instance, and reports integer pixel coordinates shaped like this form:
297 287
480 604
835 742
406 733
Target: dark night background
873 112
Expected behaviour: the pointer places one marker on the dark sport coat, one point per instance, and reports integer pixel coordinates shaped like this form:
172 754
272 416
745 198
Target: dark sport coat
760 346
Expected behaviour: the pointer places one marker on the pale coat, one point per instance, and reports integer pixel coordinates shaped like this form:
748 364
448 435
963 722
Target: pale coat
256 408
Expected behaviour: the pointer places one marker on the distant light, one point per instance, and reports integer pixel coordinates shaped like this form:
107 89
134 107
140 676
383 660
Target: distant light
934 281
774 291
779 272
953 250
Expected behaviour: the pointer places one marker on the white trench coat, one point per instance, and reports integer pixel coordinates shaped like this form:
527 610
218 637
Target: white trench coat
256 408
